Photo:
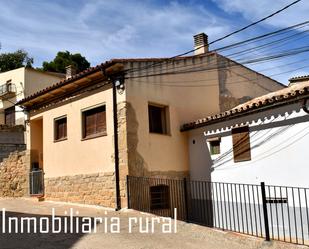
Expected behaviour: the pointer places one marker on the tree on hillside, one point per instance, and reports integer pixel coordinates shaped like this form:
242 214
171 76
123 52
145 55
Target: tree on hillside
17 59
64 59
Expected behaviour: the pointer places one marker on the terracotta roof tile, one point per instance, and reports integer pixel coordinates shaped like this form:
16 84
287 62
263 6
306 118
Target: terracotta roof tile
65 81
267 100
298 78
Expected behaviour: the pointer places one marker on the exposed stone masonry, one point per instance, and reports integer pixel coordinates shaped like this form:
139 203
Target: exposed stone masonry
11 140
14 175
123 150
92 189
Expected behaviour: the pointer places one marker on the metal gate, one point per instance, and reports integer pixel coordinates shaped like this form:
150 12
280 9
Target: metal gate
272 212
36 182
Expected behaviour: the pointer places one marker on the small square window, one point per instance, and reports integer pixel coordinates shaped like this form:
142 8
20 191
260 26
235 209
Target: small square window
94 122
159 197
60 128
214 147
158 119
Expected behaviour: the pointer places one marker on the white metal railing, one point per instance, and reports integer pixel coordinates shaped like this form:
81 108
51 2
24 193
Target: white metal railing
7 89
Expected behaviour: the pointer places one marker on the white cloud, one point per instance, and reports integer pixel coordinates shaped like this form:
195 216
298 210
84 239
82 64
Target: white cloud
254 10
101 30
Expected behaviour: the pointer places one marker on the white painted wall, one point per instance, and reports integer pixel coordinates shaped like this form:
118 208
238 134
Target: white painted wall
27 81
279 141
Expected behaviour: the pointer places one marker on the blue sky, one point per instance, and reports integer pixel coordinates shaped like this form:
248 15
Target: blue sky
101 30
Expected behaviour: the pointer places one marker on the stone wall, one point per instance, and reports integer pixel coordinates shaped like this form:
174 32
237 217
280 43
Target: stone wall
12 139
14 175
7 149
92 189
123 151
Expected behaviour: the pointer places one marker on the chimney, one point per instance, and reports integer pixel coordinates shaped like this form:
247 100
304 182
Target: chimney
70 70
200 44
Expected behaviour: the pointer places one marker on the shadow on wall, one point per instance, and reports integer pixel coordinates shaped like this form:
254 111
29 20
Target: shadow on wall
273 129
232 76
31 239
208 169
199 189
137 164
12 139
200 159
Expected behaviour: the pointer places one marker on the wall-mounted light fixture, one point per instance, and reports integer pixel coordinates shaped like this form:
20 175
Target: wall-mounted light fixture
119 84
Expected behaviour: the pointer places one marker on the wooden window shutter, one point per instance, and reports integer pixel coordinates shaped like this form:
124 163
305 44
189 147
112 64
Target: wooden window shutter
241 144
9 116
94 121
65 128
60 128
101 121
89 124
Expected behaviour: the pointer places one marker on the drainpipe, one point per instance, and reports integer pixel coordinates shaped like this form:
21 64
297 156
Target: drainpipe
116 147
117 83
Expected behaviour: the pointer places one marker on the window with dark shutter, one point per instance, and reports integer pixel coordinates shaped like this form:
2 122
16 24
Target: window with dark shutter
60 129
158 119
94 122
159 197
9 114
241 144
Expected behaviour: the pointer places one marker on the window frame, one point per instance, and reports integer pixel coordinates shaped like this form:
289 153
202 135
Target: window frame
164 201
242 150
55 129
94 135
211 142
10 116
165 122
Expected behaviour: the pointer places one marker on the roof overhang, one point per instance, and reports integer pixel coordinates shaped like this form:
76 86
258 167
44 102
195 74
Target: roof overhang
63 88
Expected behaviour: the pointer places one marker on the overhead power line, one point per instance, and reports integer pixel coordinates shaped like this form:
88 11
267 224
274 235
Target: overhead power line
245 74
244 28
270 34
275 43
269 57
238 44
179 85
224 158
270 152
232 33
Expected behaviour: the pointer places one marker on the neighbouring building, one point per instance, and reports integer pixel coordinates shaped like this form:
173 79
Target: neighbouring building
262 140
14 86
17 84
123 117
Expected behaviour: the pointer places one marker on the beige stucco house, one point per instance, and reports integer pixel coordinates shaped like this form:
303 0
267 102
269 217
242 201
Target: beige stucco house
17 84
123 117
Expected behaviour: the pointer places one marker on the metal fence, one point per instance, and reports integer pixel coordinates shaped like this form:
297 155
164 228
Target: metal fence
36 182
271 212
